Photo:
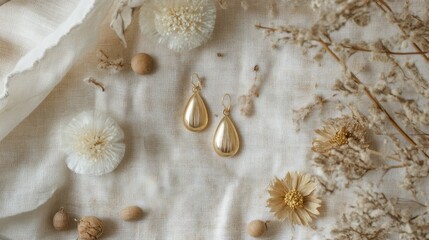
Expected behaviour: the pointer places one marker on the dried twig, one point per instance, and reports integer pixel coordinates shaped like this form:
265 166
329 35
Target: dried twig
93 81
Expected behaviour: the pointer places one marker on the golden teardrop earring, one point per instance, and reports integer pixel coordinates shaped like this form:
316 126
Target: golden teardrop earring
226 142
195 117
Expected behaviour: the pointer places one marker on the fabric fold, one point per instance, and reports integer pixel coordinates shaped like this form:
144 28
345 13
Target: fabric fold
43 67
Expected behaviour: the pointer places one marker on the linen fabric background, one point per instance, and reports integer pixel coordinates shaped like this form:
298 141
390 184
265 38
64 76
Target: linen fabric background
185 189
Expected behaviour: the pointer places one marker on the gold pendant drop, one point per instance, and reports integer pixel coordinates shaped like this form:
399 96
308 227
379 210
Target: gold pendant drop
195 117
226 142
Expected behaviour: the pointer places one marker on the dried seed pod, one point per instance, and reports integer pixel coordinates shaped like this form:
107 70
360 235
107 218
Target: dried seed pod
256 228
131 213
142 63
90 228
60 221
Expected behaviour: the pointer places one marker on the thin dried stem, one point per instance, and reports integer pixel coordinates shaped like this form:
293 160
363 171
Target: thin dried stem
93 81
389 167
386 51
373 152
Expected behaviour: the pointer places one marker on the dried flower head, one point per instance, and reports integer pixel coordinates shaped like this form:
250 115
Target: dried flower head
93 143
337 132
294 198
105 63
342 152
179 24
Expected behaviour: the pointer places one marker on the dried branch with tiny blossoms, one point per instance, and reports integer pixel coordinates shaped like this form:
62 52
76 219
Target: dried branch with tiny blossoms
247 106
376 216
301 114
390 107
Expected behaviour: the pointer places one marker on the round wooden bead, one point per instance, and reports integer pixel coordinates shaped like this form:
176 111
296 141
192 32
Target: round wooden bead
142 63
256 228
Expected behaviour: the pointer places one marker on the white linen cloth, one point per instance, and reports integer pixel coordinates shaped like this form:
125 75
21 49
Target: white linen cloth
185 189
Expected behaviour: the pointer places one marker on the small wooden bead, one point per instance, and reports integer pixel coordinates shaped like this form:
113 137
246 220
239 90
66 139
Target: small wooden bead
131 213
142 63
256 228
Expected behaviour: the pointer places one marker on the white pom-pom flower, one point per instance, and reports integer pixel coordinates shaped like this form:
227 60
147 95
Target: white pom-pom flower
178 24
93 143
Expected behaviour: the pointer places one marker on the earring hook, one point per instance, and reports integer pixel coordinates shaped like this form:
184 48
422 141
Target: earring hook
226 106
196 86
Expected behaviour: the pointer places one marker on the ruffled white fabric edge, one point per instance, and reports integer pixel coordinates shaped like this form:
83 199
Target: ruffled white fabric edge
42 68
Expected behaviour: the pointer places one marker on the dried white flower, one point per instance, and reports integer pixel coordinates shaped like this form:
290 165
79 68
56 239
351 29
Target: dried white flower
178 24
93 143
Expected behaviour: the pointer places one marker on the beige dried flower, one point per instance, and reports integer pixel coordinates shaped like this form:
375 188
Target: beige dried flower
294 198
106 63
337 132
341 149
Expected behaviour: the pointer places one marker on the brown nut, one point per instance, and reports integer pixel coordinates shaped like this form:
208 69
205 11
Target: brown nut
142 63
60 221
131 213
90 228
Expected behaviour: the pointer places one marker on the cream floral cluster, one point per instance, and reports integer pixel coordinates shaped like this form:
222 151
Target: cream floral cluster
181 24
93 143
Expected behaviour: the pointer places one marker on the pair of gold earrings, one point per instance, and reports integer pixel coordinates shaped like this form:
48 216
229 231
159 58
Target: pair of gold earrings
226 142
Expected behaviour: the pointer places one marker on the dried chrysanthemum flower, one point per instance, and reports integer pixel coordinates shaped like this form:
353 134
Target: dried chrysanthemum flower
337 132
294 198
179 24
93 143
